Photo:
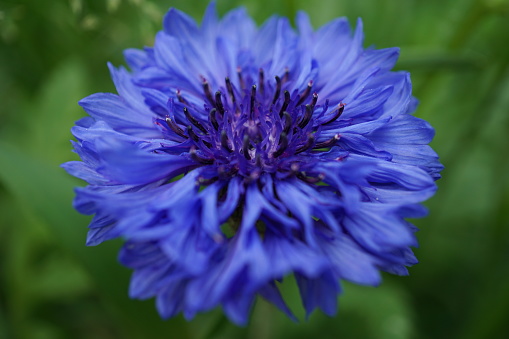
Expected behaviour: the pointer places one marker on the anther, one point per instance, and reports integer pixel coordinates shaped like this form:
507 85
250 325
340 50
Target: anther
337 114
261 80
192 134
229 88
208 93
213 119
294 167
286 76
175 128
219 103
278 90
197 158
205 182
180 98
327 143
307 116
245 147
311 180
285 103
224 141
194 121
283 144
258 160
287 122
241 79
314 100
306 92
307 145
253 98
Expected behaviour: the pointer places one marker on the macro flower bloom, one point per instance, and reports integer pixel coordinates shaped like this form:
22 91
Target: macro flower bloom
234 156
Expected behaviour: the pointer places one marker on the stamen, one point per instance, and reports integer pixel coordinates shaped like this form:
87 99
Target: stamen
311 180
245 147
261 80
327 143
175 128
229 87
258 160
253 97
197 158
286 76
283 144
285 103
337 114
208 93
219 103
213 119
307 145
224 141
307 116
192 134
314 100
304 95
194 121
287 122
180 98
241 79
278 90
205 182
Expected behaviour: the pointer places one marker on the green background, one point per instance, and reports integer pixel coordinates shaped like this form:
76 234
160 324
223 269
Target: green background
53 53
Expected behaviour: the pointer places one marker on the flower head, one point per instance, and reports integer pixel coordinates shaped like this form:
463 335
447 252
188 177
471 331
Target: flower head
234 156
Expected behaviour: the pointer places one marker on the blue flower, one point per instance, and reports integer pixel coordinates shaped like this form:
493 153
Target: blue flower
234 156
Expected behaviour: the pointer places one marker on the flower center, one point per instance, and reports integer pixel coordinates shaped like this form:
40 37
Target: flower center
267 127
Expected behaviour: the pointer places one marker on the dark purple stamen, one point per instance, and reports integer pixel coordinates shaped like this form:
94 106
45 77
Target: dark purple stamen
180 98
241 79
314 100
278 90
337 113
286 76
258 160
245 147
252 103
197 158
285 103
205 182
193 120
307 117
208 93
304 95
213 119
175 128
219 103
327 143
192 134
261 80
309 143
310 180
287 122
229 88
224 141
283 144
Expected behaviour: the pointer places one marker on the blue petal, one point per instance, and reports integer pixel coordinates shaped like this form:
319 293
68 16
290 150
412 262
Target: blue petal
319 292
113 109
350 261
128 164
271 293
293 255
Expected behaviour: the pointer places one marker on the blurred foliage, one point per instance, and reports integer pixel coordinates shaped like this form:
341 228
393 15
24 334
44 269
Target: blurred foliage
53 53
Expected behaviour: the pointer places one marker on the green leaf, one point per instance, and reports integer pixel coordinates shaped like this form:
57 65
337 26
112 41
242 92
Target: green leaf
48 191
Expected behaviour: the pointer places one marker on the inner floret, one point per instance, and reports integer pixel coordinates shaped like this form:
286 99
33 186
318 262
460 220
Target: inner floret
247 130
